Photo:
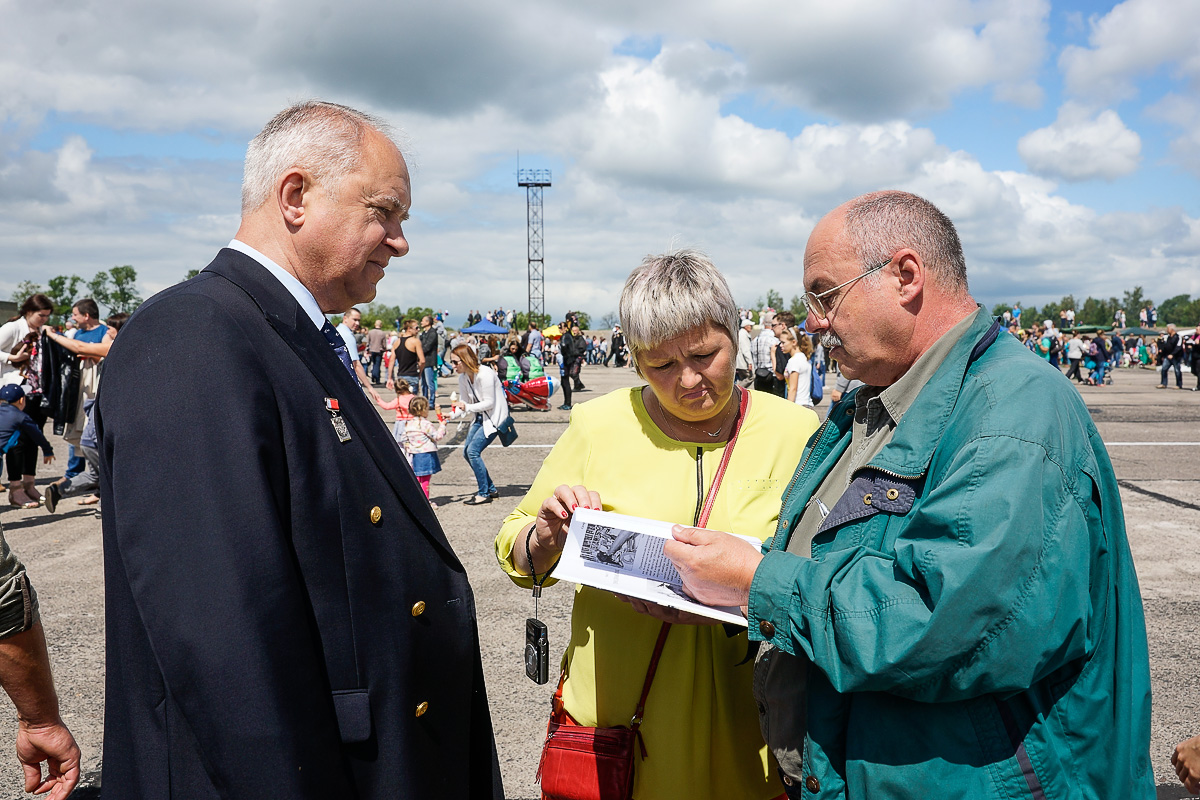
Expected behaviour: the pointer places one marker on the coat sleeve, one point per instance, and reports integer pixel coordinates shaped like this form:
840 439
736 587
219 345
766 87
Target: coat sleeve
200 513
985 589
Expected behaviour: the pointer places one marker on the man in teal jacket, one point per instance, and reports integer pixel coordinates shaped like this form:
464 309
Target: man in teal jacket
949 607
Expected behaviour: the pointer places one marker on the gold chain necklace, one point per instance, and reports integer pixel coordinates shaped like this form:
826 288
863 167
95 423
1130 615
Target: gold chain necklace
672 419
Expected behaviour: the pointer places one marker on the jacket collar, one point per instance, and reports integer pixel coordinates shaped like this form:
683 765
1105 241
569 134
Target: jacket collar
295 327
920 432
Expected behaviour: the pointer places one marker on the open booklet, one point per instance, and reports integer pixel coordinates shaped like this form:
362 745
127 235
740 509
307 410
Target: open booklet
625 555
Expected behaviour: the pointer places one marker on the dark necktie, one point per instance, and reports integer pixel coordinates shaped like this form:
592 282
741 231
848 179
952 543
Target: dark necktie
339 346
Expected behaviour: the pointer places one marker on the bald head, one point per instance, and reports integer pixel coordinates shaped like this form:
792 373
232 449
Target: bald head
879 224
885 278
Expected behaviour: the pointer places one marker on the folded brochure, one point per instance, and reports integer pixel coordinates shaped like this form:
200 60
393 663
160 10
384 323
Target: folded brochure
624 555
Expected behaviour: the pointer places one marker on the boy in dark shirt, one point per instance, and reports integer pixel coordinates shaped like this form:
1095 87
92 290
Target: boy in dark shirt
19 439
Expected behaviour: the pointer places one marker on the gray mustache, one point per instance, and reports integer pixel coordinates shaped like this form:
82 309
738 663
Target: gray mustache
830 340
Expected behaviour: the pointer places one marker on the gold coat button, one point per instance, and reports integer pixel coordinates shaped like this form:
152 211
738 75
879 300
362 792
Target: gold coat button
812 784
766 629
376 515
892 494
422 707
418 608
867 499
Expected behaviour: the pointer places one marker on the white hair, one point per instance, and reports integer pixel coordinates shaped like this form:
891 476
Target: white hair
670 294
325 139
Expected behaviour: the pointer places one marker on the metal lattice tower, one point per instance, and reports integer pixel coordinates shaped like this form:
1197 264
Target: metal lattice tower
534 180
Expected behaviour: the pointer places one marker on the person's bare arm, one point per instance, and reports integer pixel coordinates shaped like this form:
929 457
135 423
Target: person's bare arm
94 349
41 734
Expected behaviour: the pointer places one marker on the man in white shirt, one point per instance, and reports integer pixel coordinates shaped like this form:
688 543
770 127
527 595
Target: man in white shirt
348 329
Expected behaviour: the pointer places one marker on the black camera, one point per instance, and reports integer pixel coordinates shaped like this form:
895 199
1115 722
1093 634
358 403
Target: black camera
537 651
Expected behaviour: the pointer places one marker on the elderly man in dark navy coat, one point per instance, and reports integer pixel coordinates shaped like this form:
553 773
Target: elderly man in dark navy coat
285 617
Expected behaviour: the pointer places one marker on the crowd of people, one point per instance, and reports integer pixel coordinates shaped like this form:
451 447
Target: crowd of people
1092 358
933 604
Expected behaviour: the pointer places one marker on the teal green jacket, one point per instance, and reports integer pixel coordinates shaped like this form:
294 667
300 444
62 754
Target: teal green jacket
970 610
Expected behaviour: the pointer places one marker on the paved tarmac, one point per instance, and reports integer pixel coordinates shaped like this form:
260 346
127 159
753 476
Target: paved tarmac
1154 442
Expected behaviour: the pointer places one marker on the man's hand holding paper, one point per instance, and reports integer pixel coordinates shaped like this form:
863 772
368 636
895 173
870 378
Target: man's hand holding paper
717 568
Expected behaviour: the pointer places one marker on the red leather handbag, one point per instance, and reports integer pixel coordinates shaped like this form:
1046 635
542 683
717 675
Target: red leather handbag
583 763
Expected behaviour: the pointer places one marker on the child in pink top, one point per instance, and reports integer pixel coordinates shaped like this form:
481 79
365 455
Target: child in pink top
420 442
404 396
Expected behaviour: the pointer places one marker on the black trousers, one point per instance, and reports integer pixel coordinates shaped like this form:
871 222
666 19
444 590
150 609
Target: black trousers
1074 370
21 459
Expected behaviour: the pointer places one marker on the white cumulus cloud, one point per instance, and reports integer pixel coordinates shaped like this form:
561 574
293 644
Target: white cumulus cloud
1132 40
1079 146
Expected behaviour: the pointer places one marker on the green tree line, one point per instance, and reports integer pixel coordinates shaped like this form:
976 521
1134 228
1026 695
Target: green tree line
114 290
1181 309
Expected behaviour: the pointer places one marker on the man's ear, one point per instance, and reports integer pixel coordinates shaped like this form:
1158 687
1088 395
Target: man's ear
912 273
293 194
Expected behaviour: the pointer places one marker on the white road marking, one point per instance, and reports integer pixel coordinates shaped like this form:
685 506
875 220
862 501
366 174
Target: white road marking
1153 444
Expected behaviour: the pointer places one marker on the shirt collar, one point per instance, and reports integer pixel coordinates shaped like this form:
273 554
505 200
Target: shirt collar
297 289
897 398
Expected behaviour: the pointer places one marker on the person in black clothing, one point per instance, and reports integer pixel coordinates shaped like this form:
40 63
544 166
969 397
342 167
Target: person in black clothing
1170 349
579 351
429 346
20 436
1194 357
568 352
616 348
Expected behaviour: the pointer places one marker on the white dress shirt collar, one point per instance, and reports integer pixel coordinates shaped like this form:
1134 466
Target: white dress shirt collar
295 287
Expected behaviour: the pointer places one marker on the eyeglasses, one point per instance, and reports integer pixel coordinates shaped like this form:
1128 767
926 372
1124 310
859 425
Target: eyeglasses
455 361
813 301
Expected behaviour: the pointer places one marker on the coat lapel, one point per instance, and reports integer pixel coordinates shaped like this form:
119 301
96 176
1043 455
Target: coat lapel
295 327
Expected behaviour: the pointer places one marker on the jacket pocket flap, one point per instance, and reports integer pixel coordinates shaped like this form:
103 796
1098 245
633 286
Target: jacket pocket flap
353 709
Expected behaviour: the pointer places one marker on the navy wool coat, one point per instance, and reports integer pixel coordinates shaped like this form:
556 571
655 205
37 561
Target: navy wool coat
285 617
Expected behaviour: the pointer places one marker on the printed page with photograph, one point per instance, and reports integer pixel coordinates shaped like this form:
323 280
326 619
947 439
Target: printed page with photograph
625 555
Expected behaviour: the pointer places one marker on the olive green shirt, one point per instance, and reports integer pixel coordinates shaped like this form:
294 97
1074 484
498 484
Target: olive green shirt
877 412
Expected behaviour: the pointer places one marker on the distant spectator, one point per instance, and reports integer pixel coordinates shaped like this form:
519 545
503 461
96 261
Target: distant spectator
1170 349
21 439
20 353
376 345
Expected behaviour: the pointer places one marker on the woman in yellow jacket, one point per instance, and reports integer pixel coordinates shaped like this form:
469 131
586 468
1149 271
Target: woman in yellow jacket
652 451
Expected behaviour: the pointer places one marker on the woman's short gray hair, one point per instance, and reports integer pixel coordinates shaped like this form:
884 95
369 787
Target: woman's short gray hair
325 139
670 294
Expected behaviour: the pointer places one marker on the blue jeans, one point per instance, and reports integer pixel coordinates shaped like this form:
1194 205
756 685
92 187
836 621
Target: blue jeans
429 385
1172 361
76 463
473 451
376 364
1098 372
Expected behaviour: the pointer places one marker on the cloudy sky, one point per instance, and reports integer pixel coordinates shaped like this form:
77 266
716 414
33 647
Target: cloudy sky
1062 137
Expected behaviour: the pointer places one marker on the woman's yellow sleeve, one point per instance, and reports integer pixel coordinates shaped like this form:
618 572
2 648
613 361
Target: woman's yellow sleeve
566 464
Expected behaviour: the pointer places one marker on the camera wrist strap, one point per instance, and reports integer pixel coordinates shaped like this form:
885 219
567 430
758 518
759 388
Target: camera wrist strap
537 585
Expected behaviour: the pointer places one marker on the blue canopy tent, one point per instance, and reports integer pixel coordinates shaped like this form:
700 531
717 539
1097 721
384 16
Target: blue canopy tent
484 327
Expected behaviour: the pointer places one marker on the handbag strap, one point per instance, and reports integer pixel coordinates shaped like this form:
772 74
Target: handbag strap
743 407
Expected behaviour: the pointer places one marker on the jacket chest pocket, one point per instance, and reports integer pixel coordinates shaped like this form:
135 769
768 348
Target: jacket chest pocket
870 505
